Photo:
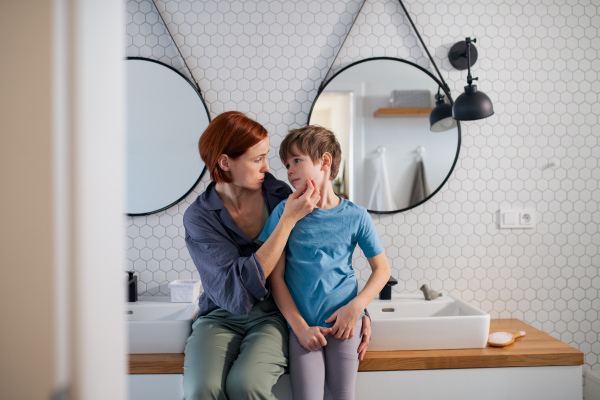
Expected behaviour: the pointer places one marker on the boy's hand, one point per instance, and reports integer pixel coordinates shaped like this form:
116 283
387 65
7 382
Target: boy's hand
312 337
302 201
366 338
345 318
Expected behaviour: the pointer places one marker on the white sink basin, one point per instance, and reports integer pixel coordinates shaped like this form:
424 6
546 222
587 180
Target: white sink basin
155 325
409 322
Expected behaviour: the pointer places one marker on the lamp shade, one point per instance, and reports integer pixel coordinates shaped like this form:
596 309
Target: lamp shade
472 105
440 118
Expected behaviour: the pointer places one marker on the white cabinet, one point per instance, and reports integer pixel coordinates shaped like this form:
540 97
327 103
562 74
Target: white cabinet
155 387
168 387
548 383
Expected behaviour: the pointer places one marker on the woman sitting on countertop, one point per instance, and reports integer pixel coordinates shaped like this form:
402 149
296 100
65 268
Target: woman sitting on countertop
239 342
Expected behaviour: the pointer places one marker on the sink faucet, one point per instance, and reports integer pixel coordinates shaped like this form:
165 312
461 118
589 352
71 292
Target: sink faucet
430 294
132 290
386 292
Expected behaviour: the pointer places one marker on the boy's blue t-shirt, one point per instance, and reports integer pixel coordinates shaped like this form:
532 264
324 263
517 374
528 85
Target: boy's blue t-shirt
318 269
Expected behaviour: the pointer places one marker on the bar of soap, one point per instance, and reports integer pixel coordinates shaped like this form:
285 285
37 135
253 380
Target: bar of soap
500 337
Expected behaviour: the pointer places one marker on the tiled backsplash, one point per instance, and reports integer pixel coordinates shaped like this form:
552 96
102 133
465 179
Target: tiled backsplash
538 62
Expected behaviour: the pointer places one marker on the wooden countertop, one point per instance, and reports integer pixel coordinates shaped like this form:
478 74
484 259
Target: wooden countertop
535 349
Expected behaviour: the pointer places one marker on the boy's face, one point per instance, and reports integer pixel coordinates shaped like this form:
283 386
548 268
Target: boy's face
300 168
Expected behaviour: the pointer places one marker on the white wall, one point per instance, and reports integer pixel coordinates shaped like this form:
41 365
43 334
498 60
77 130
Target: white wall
537 62
62 168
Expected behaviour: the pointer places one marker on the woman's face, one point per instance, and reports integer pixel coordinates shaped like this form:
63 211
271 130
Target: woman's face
248 170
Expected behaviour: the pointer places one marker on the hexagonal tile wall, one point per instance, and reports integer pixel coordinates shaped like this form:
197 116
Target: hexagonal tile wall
539 64
148 37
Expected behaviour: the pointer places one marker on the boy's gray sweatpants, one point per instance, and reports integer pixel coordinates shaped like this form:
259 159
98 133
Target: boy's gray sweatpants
328 373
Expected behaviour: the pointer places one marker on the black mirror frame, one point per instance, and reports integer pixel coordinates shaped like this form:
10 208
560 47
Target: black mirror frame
448 96
207 113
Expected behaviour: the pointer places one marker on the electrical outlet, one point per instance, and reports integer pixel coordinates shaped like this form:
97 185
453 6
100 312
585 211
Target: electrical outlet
508 219
526 218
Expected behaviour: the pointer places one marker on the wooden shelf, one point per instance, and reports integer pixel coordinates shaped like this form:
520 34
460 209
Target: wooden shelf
535 349
402 112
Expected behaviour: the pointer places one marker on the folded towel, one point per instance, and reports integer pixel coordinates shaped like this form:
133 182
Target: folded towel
420 190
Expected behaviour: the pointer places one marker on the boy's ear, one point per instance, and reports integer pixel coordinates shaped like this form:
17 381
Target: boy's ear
326 160
223 162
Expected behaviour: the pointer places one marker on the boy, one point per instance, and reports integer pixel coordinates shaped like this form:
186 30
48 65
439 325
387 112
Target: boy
313 283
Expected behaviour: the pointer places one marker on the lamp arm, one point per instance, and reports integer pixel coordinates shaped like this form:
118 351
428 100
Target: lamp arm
470 78
444 84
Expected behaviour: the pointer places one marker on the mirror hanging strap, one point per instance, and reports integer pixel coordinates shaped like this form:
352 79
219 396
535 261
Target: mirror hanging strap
179 51
446 87
322 85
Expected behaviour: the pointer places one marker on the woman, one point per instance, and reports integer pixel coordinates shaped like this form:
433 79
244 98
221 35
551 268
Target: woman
238 346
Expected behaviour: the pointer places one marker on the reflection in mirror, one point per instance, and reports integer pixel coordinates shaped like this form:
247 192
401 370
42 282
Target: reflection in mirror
379 110
165 117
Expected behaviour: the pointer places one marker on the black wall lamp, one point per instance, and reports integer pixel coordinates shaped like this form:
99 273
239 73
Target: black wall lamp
441 118
472 104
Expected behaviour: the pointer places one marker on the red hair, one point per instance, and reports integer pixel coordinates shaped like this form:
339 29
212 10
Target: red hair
231 133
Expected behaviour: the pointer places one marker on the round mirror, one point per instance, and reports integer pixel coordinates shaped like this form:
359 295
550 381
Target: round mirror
379 110
165 117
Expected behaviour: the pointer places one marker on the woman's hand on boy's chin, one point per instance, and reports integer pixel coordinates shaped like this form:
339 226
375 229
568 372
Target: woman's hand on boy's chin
312 337
302 201
345 318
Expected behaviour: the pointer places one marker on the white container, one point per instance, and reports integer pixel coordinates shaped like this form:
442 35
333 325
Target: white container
591 390
185 291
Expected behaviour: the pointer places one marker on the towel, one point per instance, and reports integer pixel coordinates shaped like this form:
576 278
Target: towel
381 194
420 190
